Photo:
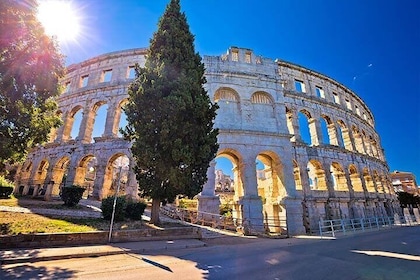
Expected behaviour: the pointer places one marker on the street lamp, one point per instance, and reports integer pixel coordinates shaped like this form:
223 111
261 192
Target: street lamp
115 202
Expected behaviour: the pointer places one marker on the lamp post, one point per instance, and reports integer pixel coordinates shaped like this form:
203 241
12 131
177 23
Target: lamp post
115 202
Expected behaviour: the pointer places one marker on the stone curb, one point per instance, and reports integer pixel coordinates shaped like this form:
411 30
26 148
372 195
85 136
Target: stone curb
97 251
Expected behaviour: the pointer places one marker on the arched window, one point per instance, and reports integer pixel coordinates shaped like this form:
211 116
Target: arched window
303 119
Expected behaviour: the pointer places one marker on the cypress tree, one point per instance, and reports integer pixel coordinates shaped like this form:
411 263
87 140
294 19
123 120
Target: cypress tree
170 115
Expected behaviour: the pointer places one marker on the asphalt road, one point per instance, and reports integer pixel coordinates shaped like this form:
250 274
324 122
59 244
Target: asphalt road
387 254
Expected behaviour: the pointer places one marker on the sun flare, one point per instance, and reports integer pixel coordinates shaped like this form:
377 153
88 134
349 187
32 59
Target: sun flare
60 19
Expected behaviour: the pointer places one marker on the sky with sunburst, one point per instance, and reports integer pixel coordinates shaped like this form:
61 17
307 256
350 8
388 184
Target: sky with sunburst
372 47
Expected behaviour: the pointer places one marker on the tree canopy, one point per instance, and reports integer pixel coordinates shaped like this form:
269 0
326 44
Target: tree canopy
170 115
30 68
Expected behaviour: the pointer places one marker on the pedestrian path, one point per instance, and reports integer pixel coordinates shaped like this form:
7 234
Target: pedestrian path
47 254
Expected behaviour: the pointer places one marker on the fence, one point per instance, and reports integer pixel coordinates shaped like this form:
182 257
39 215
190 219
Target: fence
332 227
248 227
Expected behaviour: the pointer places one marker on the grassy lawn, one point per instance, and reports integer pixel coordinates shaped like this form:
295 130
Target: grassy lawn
12 223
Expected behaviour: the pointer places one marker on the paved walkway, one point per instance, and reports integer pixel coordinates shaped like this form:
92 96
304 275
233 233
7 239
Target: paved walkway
46 254
43 254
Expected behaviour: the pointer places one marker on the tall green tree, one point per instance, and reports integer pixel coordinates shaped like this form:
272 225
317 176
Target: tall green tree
170 115
30 68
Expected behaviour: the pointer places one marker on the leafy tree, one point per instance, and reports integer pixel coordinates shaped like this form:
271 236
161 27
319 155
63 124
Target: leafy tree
170 116
30 68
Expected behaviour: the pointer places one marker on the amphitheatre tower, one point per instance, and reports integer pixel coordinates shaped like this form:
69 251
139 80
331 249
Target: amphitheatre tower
267 107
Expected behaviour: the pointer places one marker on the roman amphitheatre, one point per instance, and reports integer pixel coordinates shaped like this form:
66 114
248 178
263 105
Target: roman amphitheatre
267 107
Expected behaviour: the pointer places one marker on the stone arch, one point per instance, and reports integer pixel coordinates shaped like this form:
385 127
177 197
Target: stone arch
316 174
116 173
326 133
238 189
356 181
69 122
333 138
344 135
229 111
358 139
83 172
378 182
339 177
272 190
261 97
41 172
95 126
120 118
262 105
59 174
304 130
370 186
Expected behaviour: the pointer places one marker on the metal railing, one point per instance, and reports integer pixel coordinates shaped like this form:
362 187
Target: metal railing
345 226
245 226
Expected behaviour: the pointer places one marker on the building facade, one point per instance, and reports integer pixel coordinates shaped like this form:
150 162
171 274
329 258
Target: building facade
404 182
315 139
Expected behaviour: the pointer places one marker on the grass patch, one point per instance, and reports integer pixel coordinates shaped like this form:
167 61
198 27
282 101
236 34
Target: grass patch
24 223
13 223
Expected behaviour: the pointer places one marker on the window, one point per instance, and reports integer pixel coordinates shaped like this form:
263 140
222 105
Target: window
107 75
84 81
357 110
67 87
235 55
319 92
336 98
364 116
248 57
348 105
131 73
300 86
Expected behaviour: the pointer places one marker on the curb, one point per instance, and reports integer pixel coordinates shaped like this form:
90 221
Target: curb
95 251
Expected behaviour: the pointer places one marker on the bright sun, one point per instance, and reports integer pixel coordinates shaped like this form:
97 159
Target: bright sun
60 19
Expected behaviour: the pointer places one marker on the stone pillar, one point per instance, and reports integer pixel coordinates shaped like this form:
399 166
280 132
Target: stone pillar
113 116
334 139
60 130
86 126
132 185
293 126
99 182
294 214
252 217
328 179
315 131
207 200
249 176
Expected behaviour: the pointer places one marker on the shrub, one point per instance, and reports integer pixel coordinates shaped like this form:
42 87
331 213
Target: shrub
71 195
135 209
120 206
225 210
6 187
187 203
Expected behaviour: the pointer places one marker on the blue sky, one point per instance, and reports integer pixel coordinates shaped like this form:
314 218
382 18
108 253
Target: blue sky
370 46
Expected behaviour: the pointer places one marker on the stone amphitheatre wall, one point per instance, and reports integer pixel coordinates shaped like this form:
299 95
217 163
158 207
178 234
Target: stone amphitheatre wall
336 169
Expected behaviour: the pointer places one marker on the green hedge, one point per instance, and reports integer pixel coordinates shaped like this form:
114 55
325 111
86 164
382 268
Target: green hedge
72 195
124 208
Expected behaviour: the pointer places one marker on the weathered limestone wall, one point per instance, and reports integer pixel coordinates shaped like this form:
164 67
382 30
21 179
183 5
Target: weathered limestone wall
340 172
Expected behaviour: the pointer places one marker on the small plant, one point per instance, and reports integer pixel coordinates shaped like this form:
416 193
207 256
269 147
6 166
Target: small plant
135 209
225 210
187 203
72 195
120 208
6 187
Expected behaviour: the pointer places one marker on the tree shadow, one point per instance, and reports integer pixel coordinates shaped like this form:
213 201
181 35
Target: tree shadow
33 272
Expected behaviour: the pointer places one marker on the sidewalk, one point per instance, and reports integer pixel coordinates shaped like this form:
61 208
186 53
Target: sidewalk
47 254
